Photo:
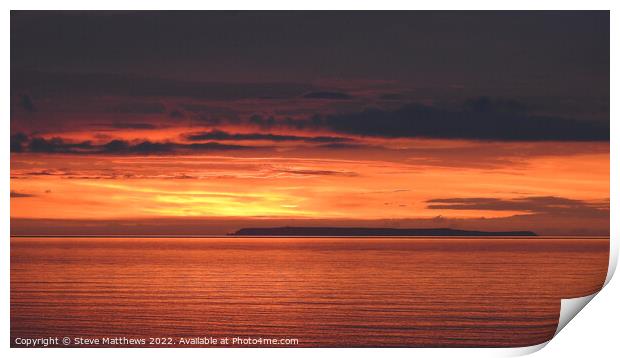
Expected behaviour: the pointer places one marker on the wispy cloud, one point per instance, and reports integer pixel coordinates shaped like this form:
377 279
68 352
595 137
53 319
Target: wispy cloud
15 194
533 204
56 145
222 135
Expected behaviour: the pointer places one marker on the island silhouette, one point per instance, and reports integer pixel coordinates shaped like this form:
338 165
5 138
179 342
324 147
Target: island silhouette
369 231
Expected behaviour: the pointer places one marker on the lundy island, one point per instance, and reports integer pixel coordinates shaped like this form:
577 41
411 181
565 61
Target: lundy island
369 231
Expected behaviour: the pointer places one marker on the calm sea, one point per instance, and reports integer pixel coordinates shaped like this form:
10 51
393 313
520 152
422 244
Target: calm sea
322 292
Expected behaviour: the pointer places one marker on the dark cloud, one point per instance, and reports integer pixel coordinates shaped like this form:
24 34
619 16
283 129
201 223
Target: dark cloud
266 123
139 108
317 172
392 97
495 106
26 103
43 172
221 135
18 141
210 120
121 125
343 146
534 205
176 114
262 122
15 194
216 146
148 147
208 114
481 119
58 145
61 146
328 95
116 145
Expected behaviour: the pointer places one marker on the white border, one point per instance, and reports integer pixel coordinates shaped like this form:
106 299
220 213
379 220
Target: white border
593 334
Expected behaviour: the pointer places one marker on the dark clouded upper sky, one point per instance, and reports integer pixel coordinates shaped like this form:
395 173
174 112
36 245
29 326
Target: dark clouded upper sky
481 96
566 51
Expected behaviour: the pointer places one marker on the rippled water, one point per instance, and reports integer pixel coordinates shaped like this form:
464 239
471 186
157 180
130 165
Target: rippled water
322 291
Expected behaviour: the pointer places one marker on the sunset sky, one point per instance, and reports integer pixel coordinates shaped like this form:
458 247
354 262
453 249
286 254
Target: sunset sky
206 122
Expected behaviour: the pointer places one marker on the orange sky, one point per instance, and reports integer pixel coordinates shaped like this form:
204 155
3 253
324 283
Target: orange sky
393 181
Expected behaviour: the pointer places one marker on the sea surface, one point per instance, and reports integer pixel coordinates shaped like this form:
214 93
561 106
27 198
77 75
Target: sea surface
321 292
